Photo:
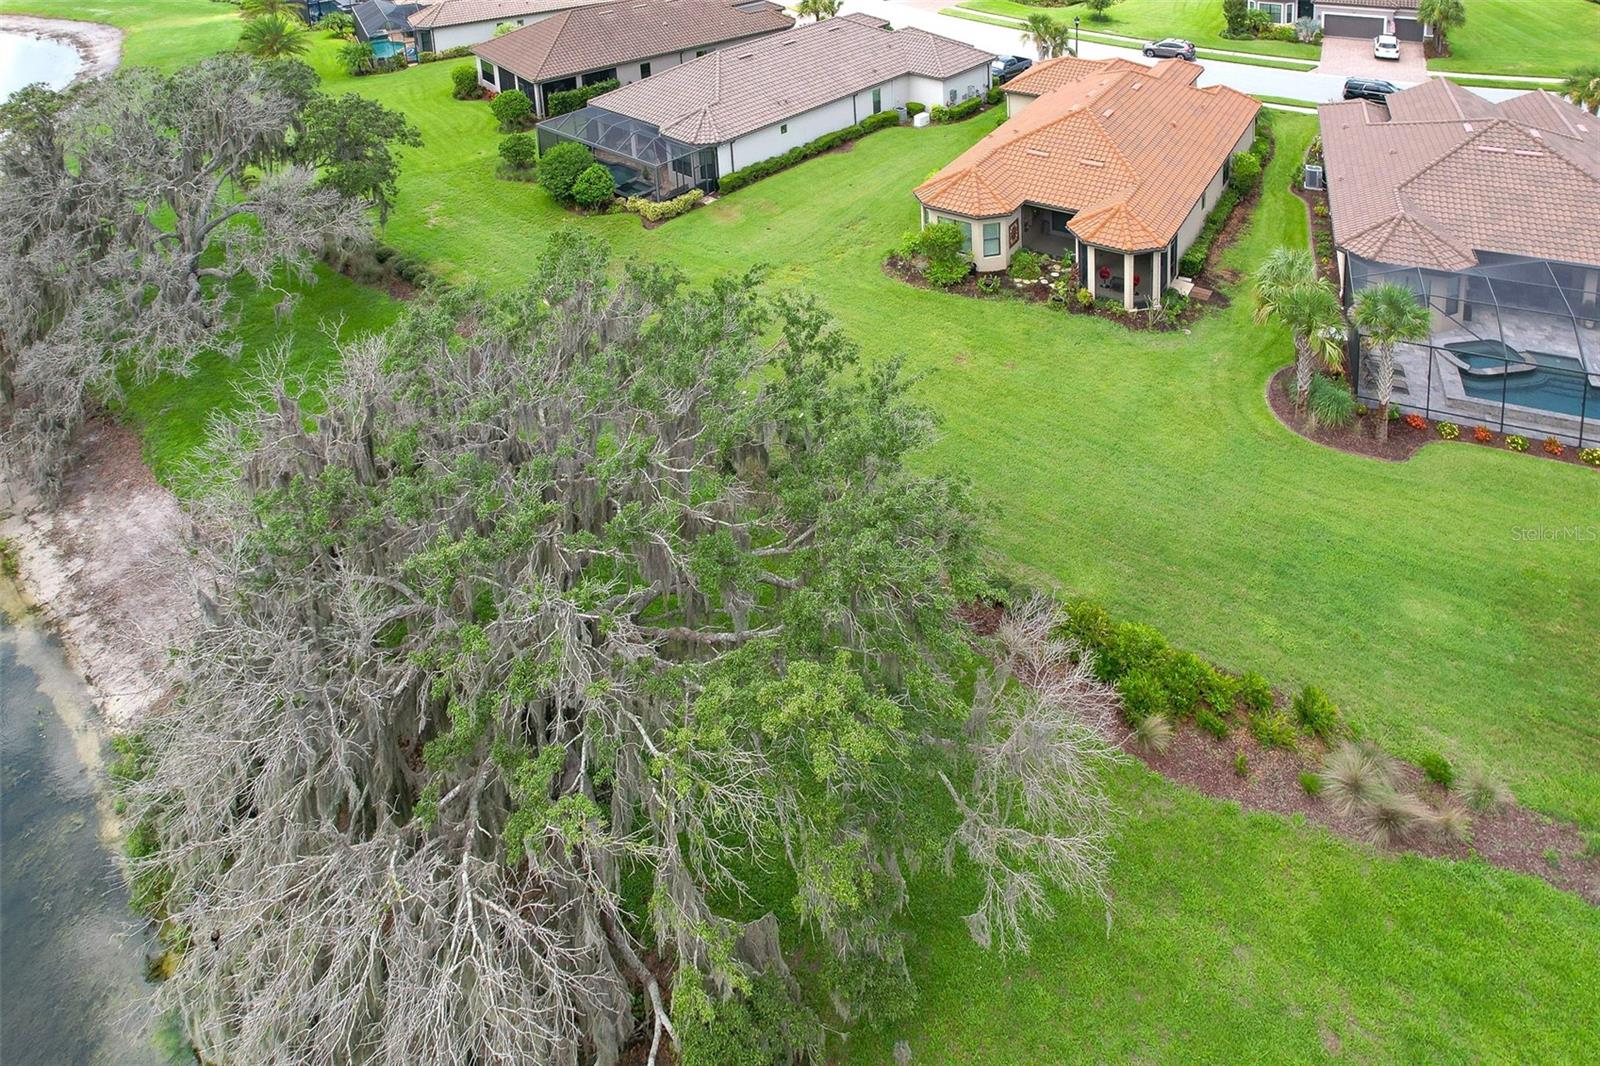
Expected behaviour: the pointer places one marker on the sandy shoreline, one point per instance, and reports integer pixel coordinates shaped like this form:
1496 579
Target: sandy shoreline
99 45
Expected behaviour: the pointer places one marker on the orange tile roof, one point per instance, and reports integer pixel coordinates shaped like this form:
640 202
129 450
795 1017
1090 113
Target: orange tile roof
1130 151
1444 174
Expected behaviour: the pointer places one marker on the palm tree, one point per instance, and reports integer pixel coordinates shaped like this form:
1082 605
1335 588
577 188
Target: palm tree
254 9
1050 37
1279 279
818 10
1443 16
1389 315
1314 317
1582 87
274 37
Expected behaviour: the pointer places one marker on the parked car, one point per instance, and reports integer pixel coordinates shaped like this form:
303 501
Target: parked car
1004 68
1385 46
1375 89
1171 48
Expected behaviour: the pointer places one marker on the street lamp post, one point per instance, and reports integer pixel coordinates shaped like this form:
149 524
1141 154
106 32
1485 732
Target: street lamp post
1077 35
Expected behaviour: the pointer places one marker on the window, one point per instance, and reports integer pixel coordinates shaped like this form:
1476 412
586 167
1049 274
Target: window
424 40
783 128
877 100
1058 221
991 238
1276 10
644 70
966 233
486 69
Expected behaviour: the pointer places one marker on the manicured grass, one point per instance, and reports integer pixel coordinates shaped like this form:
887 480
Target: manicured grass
1248 938
159 33
1199 21
1548 38
1147 470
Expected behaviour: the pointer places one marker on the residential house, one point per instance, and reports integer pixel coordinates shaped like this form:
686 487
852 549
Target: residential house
1117 168
461 23
626 41
384 25
1350 18
710 116
1490 213
1047 74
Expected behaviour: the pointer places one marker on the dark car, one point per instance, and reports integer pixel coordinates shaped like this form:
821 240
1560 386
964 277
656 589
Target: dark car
1375 89
1171 48
1004 68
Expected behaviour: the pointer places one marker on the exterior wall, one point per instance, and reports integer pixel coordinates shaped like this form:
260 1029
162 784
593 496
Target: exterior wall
891 94
1388 14
983 263
1015 102
796 130
967 84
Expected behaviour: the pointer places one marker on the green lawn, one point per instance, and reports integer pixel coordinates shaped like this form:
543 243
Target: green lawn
1199 21
160 33
1548 38
1146 470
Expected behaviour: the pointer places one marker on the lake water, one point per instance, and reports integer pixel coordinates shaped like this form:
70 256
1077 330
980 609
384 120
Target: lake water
72 956
25 59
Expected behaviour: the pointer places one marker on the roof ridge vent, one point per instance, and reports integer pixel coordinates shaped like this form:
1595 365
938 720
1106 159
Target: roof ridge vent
1040 152
1491 148
1107 112
1094 162
1467 126
1528 152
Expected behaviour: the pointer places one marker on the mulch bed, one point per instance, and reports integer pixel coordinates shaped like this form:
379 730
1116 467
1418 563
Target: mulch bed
1404 441
1513 838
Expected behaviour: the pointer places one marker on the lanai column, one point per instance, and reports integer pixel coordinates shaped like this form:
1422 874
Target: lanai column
1091 280
1127 281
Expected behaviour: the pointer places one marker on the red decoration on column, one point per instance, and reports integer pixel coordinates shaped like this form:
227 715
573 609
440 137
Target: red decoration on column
1137 279
1105 272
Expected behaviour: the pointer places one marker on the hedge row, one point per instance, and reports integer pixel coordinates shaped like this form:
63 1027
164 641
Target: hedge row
738 179
967 108
1194 260
653 211
457 52
572 99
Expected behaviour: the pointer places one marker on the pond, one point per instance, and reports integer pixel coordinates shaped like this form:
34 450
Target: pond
72 987
25 59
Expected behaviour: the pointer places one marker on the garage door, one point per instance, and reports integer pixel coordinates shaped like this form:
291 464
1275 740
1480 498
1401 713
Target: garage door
1407 29
1351 26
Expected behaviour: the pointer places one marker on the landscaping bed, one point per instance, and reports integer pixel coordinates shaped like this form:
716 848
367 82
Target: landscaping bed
1408 433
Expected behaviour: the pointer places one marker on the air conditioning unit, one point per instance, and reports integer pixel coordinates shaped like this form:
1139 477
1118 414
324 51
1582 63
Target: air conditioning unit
1313 176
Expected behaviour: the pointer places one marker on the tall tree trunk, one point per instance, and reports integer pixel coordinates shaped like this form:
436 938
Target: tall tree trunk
1385 385
1302 372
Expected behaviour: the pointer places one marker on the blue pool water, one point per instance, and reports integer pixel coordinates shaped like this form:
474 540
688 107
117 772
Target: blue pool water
1556 383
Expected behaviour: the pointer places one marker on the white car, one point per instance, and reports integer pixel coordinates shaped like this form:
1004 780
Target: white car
1386 46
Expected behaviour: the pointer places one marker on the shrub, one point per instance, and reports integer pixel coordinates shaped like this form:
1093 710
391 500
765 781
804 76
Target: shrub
1143 695
1311 783
1416 421
10 558
1274 729
1236 13
1211 722
1330 403
916 107
738 179
1188 678
1448 430
1452 822
1589 456
1256 694
989 284
1437 769
947 263
1194 260
1516 442
1355 775
519 151
1129 646
652 211
572 99
1316 713
939 114
1088 623
1153 733
957 112
355 58
1483 791
449 53
1482 435
595 186
995 94
464 82
512 109
1085 299
339 25
1026 265
1241 764
1553 446
560 166
945 273
1246 172
766 1026
881 121
1392 817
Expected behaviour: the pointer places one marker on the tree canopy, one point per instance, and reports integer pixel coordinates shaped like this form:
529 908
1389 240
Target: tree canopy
573 611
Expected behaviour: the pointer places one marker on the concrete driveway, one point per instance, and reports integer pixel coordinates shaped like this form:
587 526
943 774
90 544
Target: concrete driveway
1351 57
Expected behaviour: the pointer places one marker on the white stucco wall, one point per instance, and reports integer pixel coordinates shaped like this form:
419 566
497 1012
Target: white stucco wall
781 136
1196 218
967 84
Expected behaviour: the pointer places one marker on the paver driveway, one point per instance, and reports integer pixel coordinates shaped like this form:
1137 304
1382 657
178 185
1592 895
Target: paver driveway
1351 57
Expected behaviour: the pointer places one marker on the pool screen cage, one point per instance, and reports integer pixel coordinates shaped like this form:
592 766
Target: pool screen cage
644 161
1515 347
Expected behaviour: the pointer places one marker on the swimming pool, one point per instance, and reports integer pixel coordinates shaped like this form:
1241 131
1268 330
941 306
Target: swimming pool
1540 380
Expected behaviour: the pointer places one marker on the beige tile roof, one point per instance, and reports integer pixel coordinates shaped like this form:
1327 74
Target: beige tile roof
1129 152
1444 174
1409 6
461 12
734 91
1049 74
597 36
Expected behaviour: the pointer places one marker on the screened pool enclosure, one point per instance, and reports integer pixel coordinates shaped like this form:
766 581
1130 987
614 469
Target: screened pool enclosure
644 161
1515 346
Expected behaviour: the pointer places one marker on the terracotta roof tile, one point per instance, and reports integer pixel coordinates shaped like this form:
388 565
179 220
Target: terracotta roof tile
1129 152
1443 174
597 36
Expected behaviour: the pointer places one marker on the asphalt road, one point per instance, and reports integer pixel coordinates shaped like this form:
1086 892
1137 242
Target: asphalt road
1259 81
